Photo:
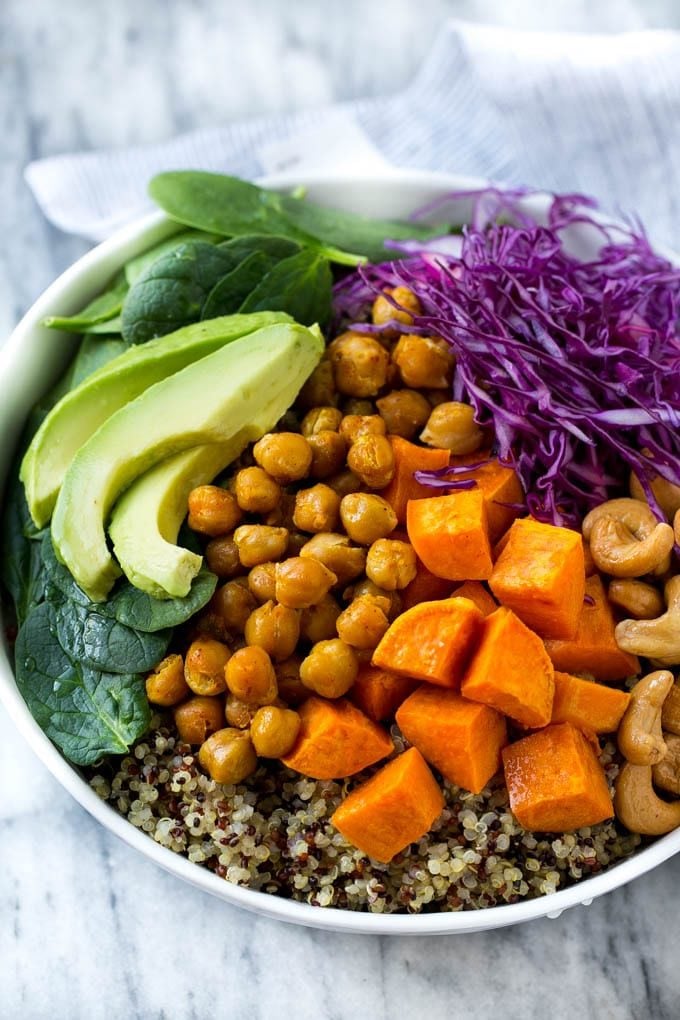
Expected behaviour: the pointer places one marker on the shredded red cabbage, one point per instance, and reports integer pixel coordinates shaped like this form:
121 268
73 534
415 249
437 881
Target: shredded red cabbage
574 363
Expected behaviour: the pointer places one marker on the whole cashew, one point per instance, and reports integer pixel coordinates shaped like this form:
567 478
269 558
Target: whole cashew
670 714
637 598
640 738
655 639
666 773
633 513
637 805
666 493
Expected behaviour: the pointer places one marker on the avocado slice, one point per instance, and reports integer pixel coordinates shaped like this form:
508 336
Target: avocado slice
80 413
208 402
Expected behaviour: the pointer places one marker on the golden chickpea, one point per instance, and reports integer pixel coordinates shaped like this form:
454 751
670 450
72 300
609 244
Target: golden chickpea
391 564
321 419
274 628
262 582
301 582
328 453
166 685
372 459
451 426
233 603
403 306
336 553
345 482
355 425
404 412
239 713
318 622
274 731
282 514
359 363
367 517
363 623
423 362
256 491
286 456
258 543
197 718
221 556
212 511
389 601
319 390
330 669
250 676
291 689
228 756
316 509
204 666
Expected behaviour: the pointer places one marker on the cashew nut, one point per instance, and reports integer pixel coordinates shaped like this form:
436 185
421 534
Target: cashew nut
618 551
637 598
633 513
670 713
666 773
637 805
666 494
640 739
655 639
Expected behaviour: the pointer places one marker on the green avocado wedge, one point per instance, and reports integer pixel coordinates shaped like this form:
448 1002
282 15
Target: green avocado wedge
80 412
208 402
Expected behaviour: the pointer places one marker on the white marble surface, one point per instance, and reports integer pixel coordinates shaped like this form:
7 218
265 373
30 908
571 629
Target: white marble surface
87 928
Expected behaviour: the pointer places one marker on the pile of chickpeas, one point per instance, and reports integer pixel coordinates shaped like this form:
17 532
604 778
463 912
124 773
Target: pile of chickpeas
308 552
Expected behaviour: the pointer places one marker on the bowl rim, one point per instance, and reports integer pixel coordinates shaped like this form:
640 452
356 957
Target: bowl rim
91 264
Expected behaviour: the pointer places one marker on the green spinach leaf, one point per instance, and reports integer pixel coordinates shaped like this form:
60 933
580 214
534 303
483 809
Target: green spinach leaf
101 642
102 309
230 292
92 354
137 266
274 247
300 285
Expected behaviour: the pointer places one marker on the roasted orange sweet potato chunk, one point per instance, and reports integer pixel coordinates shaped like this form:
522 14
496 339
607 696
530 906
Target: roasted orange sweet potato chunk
500 485
450 534
461 738
432 641
336 740
425 586
409 458
555 781
394 808
477 593
590 706
540 575
593 649
379 693
511 671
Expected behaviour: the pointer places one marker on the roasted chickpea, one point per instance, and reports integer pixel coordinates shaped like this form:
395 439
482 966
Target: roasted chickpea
321 419
318 622
401 308
274 731
363 623
212 510
197 718
286 456
239 713
316 509
319 390
262 582
328 453
423 362
274 628
250 676
391 564
392 608
291 688
372 459
166 685
259 543
330 669
404 412
451 426
282 514
367 517
256 491
228 756
204 666
355 425
345 482
301 582
359 363
221 555
233 603
336 553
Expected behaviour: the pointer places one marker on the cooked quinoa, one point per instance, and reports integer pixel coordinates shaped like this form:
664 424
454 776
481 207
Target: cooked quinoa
273 833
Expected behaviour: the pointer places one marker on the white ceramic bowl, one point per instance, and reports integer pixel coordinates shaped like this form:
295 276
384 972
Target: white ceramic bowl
30 362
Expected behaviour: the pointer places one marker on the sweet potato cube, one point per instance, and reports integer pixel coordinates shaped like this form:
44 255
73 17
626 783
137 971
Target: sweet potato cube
461 738
379 693
433 641
450 534
540 575
336 740
425 586
500 485
409 458
555 781
397 806
511 671
477 593
587 705
593 649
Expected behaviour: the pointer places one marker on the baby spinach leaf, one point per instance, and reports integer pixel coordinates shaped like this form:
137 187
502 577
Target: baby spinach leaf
230 292
135 608
102 309
87 713
275 248
140 263
101 642
300 285
92 354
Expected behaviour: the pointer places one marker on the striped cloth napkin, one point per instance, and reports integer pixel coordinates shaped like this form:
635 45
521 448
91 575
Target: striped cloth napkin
593 113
